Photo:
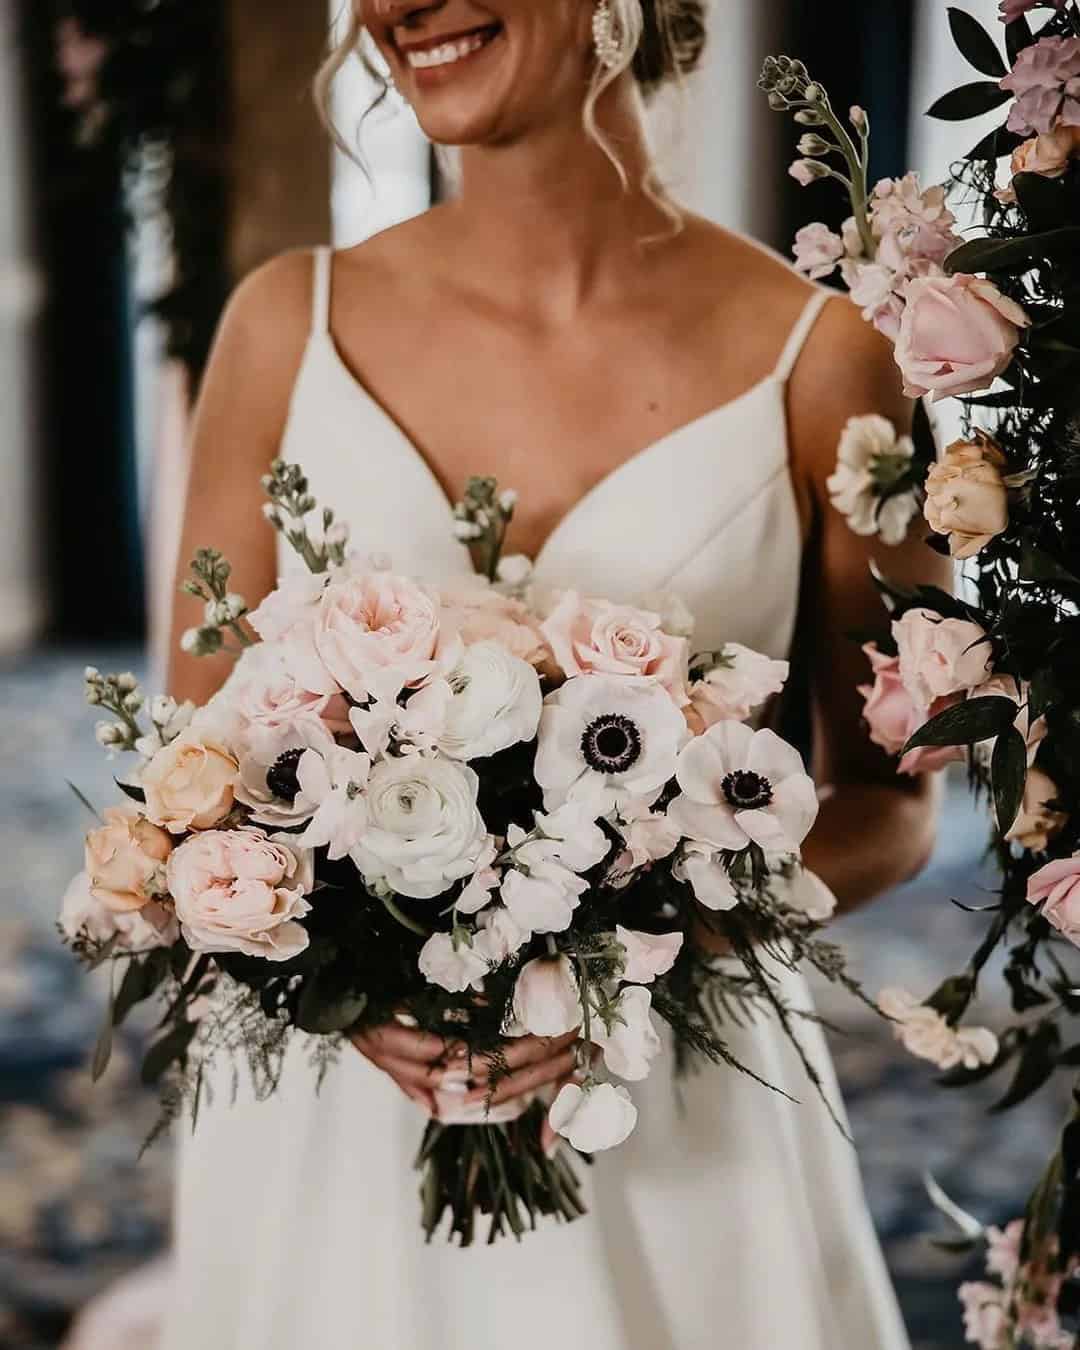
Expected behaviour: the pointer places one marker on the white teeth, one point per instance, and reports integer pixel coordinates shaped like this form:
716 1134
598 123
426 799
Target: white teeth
449 52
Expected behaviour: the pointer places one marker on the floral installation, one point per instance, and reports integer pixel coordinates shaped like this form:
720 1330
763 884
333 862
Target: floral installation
991 679
488 812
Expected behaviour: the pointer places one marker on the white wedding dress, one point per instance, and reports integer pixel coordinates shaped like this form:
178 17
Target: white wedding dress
732 1217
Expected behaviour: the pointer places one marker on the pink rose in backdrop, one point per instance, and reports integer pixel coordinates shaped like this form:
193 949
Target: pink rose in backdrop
1048 154
478 613
125 859
957 334
1056 886
239 891
939 656
893 716
1046 81
595 637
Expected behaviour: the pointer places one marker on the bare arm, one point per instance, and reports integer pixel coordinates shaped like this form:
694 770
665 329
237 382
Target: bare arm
237 426
877 827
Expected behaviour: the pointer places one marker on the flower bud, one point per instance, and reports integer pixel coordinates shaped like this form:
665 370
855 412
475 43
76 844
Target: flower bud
812 144
337 536
777 102
133 701
814 93
858 117
809 117
126 682
507 501
109 734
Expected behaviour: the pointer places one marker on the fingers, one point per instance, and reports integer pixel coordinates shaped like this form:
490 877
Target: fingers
528 1079
519 1053
422 1047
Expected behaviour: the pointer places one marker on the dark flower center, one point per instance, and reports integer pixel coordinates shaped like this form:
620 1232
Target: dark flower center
747 791
281 777
611 744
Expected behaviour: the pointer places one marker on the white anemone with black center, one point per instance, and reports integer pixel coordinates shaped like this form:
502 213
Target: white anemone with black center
615 736
269 780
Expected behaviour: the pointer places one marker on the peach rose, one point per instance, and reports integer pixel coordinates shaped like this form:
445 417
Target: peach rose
956 335
893 716
1056 886
478 613
240 891
1037 823
1047 154
966 497
189 783
124 859
939 656
596 637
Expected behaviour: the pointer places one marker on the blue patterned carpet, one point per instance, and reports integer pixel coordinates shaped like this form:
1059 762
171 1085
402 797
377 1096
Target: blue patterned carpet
77 1208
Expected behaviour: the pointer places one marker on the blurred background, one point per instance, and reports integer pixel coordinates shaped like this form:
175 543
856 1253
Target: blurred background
151 153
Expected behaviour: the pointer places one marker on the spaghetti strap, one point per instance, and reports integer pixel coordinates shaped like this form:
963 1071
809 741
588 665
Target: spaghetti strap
800 332
320 295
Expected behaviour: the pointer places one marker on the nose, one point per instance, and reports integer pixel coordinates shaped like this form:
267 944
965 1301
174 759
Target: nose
407 13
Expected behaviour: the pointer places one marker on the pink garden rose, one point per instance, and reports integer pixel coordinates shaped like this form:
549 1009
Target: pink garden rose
125 859
1056 886
939 656
269 702
893 716
595 637
240 891
189 784
957 334
477 612
1046 81
966 495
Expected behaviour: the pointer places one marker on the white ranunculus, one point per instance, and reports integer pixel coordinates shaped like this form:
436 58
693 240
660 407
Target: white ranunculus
335 783
741 786
593 1118
547 1001
647 954
452 966
495 701
633 1041
702 869
617 733
544 898
424 829
500 936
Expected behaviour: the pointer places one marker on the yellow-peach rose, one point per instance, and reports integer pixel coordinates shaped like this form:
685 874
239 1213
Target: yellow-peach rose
124 859
1036 823
189 784
966 496
1047 154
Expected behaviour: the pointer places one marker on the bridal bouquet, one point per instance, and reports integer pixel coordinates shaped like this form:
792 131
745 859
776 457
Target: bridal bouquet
479 808
992 677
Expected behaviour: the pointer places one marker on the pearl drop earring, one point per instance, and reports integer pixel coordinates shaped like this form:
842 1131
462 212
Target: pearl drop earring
605 40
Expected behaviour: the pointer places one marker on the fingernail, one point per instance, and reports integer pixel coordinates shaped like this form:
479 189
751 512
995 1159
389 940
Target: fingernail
456 1087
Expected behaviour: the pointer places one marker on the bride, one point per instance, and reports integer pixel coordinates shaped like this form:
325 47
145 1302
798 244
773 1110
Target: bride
667 399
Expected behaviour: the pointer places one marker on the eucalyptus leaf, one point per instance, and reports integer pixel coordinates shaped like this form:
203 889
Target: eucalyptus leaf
975 719
1038 1060
1008 773
99 1061
975 44
970 100
171 1048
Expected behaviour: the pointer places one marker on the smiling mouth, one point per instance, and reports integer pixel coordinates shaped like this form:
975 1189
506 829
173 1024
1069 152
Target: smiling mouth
450 52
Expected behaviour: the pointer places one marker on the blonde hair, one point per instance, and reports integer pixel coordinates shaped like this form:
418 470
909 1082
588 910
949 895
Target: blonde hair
629 27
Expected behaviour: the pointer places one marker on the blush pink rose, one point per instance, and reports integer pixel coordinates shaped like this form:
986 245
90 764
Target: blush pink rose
239 891
595 637
893 716
956 335
939 656
269 702
1056 886
477 612
125 859
83 915
377 633
190 783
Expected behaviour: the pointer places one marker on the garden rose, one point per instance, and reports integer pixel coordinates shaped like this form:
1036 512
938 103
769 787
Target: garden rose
593 1118
1046 81
270 702
547 1001
124 859
1037 823
741 681
240 891
190 783
135 930
632 1042
1048 154
477 612
939 656
893 716
595 637
966 497
647 954
957 334
424 830
1056 886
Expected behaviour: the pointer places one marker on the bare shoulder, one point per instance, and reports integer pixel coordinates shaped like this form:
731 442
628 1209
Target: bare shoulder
271 307
742 271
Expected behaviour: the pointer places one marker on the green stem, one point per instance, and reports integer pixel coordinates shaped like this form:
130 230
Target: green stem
402 918
857 186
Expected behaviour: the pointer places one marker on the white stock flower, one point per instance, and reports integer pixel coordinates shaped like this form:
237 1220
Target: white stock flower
424 829
335 782
452 965
702 869
647 954
546 998
633 1041
925 1033
593 1118
617 733
741 786
494 701
869 454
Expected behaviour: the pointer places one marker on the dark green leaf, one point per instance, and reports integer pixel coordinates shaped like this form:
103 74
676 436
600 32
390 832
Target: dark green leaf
1008 773
1001 141
323 1011
976 719
976 45
171 1048
989 255
1018 35
970 100
103 953
1070 1057
1042 200
952 997
141 979
99 1061
84 799
922 436
1042 691
132 790
1038 565
1038 1060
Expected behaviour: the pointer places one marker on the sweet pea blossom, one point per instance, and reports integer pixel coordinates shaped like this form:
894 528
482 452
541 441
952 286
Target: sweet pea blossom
1056 886
966 496
647 955
648 836
543 898
546 997
1046 81
923 1032
817 250
453 963
632 1042
334 783
541 887
499 936
869 455
593 1118
741 786
599 638
702 868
